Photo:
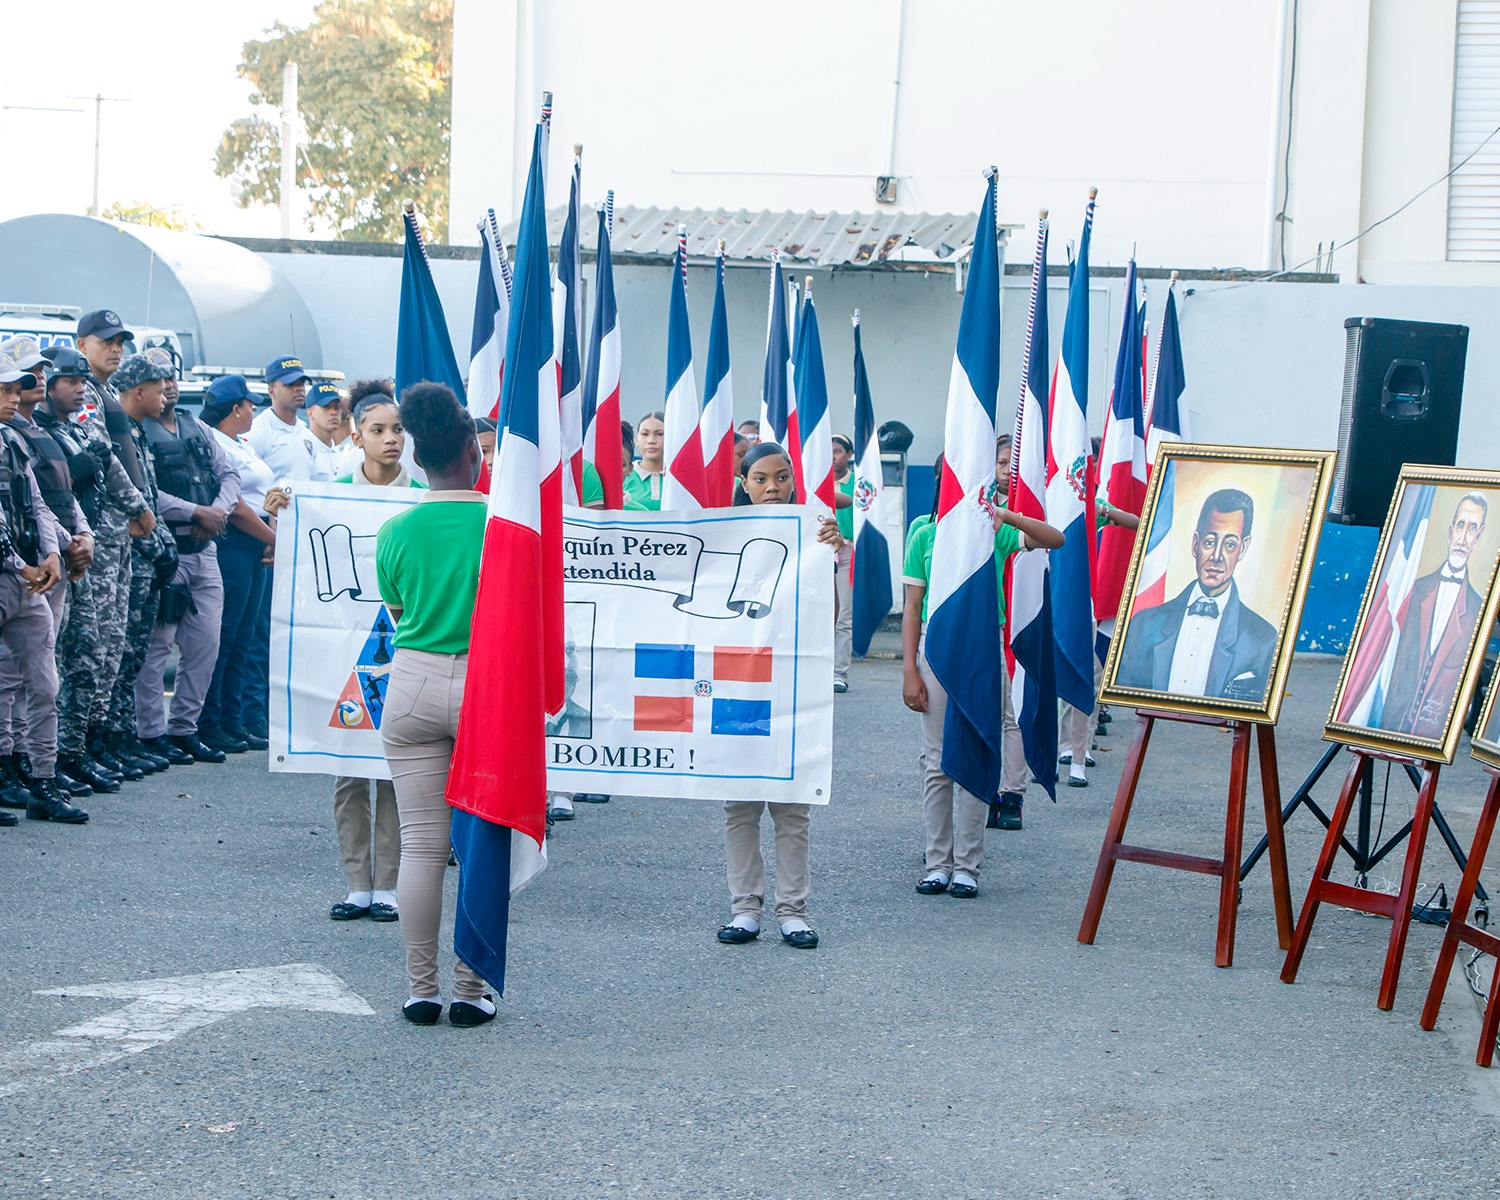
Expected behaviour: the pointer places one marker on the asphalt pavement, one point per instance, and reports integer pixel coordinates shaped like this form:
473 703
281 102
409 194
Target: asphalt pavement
929 1046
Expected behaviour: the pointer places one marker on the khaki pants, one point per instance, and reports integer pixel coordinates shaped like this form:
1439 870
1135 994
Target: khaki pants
1075 729
843 613
418 727
1014 773
747 867
351 819
955 818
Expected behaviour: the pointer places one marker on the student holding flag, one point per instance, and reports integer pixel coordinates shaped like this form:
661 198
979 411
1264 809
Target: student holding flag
427 568
955 818
766 478
843 581
644 481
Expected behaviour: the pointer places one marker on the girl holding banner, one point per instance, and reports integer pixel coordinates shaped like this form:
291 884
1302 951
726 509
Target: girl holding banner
766 478
643 479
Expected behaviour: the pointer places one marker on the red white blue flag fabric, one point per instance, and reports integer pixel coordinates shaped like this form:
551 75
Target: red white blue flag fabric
497 781
1167 416
1029 611
1070 492
716 428
567 322
1151 588
814 420
491 318
963 624
778 399
424 350
670 696
872 551
684 482
601 376
1122 459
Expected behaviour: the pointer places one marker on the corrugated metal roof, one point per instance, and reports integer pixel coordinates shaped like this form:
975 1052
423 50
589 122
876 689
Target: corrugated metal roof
813 239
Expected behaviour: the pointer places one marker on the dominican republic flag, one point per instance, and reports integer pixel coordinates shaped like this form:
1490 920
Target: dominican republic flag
497 779
423 348
491 317
1151 587
963 623
1370 673
684 483
670 696
602 444
716 427
1032 652
778 399
1167 418
872 553
1122 465
815 421
567 322
1070 491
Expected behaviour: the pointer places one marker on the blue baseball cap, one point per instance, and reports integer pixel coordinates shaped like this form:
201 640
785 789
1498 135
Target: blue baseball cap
102 323
285 369
320 394
228 389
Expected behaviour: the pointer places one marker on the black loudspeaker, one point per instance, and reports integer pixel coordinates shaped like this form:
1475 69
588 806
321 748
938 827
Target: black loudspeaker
1403 385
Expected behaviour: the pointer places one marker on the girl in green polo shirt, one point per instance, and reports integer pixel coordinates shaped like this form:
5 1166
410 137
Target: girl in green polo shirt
427 568
955 819
643 479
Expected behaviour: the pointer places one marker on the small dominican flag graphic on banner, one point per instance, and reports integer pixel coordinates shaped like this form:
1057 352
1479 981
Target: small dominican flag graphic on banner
725 691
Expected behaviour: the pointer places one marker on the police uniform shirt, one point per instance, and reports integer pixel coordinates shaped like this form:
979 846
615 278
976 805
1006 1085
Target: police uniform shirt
47 526
291 451
256 477
328 459
174 509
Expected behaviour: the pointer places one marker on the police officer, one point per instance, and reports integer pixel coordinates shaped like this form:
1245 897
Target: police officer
124 515
197 488
80 652
153 558
74 537
30 567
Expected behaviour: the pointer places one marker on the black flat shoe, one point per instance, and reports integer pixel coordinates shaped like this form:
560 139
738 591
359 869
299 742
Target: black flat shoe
344 911
422 1012
963 891
590 798
737 935
466 1015
928 886
384 912
801 939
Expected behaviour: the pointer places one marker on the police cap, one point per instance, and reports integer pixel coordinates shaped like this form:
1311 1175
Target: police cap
102 323
136 370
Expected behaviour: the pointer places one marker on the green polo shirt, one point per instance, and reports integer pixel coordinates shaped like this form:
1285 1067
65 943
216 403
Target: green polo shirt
410 482
845 516
427 565
593 486
918 566
645 490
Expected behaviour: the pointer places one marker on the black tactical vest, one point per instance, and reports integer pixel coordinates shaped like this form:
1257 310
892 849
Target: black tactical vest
184 464
50 466
117 425
87 461
16 499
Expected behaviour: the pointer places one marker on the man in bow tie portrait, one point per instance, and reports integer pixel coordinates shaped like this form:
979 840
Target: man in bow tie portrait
1205 641
1441 613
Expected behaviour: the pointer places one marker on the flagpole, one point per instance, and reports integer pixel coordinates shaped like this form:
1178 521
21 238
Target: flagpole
1038 293
1156 361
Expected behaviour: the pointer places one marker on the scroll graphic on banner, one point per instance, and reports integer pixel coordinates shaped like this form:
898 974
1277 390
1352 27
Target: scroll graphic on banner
700 649
332 639
700 656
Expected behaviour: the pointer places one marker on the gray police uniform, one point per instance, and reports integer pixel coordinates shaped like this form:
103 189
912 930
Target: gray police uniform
26 624
190 470
80 654
123 482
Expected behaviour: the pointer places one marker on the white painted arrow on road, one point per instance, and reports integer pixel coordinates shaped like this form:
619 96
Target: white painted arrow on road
163 1009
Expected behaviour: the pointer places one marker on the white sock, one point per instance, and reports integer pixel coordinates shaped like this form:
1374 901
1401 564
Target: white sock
410 1000
943 875
747 922
378 897
794 925
481 1003
358 899
1076 772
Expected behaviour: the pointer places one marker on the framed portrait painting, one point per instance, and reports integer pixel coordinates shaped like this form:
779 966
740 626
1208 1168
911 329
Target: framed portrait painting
1485 745
1208 618
1426 614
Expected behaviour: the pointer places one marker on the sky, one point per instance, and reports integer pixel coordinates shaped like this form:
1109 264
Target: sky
173 63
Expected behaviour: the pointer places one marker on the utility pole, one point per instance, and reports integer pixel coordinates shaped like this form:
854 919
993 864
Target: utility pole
99 102
289 123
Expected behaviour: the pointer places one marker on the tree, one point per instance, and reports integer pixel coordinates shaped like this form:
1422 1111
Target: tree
139 212
375 94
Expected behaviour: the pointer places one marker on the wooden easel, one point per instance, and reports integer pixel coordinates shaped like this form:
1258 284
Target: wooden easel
1459 930
1343 895
1226 868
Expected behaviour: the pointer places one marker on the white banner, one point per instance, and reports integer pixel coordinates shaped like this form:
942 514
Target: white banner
700 649
331 638
700 656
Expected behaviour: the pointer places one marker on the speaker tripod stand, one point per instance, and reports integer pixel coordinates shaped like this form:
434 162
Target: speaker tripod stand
1362 852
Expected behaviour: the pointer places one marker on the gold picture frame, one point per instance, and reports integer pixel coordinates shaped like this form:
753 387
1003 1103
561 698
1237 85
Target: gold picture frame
1393 695
1485 744
1243 662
